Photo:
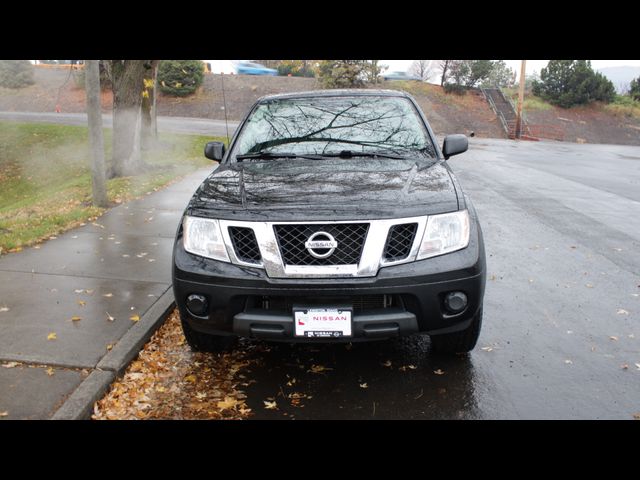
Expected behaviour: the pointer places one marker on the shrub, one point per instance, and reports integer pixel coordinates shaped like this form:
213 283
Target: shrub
455 88
573 82
634 89
179 78
342 73
16 73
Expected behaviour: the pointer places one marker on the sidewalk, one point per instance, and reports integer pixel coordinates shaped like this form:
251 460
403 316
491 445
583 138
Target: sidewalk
118 267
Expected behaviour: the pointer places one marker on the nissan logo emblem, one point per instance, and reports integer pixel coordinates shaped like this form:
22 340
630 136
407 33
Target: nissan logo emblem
321 245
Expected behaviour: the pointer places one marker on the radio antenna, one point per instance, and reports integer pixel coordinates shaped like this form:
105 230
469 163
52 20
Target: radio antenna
224 104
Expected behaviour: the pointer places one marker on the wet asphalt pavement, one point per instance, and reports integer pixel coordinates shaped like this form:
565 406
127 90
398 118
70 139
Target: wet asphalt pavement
561 332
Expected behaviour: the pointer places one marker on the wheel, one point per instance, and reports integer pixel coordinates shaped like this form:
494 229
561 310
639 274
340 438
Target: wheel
204 342
459 342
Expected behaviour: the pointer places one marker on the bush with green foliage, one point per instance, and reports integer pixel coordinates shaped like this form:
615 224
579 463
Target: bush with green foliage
16 73
573 82
634 89
342 73
179 78
295 68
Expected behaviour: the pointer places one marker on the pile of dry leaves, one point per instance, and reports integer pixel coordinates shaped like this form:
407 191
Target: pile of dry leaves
169 381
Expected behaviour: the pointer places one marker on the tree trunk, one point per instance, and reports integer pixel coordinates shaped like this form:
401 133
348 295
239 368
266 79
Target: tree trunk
96 140
128 85
149 132
445 67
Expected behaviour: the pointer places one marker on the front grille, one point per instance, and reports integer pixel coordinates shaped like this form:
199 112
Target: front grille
245 244
349 236
358 302
399 241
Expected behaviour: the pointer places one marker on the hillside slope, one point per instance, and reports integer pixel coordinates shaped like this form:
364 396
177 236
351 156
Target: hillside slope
446 113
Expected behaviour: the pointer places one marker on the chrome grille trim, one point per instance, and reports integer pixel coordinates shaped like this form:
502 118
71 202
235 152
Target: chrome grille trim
371 260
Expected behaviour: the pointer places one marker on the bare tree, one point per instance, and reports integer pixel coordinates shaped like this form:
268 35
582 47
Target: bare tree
424 69
444 65
96 140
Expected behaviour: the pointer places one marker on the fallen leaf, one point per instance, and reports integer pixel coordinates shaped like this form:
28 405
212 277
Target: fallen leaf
76 318
109 317
404 368
438 372
492 277
4 309
227 403
52 336
624 366
4 414
201 395
588 285
10 364
387 363
80 290
622 311
190 378
318 369
82 303
364 385
636 416
109 347
89 292
270 405
107 295
160 389
637 366
50 371
615 339
134 318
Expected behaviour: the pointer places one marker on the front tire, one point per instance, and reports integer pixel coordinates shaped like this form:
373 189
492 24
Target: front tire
459 342
205 342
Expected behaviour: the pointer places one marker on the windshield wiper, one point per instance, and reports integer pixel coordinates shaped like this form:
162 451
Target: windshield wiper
318 156
351 154
264 155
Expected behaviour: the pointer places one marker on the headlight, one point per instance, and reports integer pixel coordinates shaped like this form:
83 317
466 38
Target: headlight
444 234
202 236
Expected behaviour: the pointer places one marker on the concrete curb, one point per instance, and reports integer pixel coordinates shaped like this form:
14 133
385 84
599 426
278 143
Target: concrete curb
130 344
79 405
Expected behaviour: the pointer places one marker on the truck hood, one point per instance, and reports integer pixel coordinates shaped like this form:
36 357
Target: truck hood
332 189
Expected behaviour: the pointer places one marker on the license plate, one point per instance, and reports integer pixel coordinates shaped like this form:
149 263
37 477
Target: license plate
322 322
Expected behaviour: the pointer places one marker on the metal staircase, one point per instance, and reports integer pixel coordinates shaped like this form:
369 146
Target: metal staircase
506 112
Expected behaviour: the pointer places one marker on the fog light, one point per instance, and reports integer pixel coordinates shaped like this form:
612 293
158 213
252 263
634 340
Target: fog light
455 302
197 304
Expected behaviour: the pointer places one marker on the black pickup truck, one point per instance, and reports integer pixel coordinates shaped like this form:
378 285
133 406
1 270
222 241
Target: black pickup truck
333 216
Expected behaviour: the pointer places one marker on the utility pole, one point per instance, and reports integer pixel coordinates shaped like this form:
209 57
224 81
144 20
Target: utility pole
523 67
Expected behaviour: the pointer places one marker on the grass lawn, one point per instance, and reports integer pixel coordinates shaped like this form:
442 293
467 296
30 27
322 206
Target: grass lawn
45 181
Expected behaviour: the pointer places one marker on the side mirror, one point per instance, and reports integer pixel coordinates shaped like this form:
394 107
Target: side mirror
214 151
454 144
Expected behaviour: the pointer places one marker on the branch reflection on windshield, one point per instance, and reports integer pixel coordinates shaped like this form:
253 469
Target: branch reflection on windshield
329 125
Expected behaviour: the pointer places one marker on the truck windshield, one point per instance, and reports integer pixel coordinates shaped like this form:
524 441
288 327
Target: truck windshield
330 125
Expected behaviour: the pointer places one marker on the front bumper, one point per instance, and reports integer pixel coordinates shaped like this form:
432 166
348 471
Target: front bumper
237 296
